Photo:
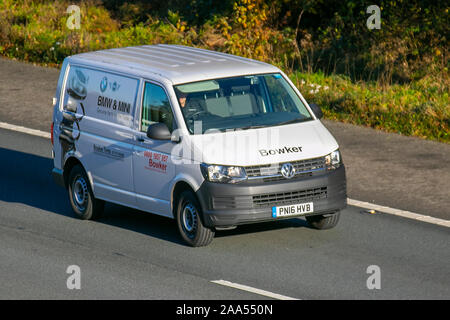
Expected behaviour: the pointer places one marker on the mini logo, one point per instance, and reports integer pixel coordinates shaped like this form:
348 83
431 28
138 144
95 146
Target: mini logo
103 84
114 86
287 170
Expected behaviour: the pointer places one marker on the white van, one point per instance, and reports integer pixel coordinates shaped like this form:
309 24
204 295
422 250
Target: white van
209 139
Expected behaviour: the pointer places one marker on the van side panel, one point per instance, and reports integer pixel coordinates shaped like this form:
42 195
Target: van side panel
97 123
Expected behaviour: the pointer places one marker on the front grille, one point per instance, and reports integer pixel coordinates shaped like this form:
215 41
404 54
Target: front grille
285 198
271 172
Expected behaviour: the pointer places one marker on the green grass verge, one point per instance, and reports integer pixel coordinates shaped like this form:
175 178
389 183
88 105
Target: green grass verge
419 109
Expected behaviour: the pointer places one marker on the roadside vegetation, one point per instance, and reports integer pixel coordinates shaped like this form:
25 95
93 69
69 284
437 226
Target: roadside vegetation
394 78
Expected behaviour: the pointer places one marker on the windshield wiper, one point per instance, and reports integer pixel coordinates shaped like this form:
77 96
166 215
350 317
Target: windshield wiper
252 127
290 121
273 124
265 125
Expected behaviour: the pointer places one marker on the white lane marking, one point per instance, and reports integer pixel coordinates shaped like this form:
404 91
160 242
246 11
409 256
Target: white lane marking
352 202
398 212
253 290
33 132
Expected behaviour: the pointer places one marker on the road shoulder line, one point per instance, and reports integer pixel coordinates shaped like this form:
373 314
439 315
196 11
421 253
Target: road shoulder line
398 212
33 132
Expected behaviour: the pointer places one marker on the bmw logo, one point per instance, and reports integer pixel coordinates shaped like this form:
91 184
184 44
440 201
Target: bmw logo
103 84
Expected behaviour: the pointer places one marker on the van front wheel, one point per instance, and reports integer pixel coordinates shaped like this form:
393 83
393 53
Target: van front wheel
323 222
189 222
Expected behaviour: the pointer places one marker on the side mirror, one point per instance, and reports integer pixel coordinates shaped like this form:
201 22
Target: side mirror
158 131
316 109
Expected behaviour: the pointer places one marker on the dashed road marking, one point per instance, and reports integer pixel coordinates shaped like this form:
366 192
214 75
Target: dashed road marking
253 290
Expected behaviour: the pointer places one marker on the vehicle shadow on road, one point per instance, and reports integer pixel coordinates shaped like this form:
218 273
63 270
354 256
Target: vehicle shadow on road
264 226
142 222
26 178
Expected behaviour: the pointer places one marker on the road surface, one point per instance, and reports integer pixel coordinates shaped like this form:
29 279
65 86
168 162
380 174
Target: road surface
135 255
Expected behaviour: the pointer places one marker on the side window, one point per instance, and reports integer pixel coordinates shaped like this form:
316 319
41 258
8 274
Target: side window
155 107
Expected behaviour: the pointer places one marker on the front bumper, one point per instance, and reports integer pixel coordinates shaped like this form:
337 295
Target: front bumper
226 205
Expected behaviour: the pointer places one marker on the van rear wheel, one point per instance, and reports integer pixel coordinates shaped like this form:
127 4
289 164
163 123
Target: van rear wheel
189 222
81 197
323 222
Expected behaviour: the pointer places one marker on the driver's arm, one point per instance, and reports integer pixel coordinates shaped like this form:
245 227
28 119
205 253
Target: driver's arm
194 106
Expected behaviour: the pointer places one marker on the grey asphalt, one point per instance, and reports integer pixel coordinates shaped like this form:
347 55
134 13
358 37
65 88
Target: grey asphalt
384 168
134 255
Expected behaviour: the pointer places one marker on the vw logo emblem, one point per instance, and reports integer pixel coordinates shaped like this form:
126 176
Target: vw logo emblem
287 170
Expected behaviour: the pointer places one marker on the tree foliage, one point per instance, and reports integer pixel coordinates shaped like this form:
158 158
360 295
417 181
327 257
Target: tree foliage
303 37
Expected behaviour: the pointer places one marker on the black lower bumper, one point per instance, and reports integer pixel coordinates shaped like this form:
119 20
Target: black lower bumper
249 202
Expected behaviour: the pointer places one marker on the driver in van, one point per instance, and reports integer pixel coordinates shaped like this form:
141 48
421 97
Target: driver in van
189 105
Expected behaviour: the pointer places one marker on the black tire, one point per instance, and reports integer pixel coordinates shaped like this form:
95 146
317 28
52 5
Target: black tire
322 222
189 222
81 197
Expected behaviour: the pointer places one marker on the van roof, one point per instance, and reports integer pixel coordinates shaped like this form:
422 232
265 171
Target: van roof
179 64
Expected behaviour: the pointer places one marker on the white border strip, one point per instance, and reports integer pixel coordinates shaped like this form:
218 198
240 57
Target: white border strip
352 202
253 290
398 212
33 132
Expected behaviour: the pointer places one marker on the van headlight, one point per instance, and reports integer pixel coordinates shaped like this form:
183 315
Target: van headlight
333 160
223 174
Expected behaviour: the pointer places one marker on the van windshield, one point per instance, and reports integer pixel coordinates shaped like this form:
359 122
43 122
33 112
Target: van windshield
244 102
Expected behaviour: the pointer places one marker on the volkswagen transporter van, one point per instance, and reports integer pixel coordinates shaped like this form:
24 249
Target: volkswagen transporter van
208 139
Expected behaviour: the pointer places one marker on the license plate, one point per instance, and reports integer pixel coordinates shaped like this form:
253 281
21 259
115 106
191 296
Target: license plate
292 210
